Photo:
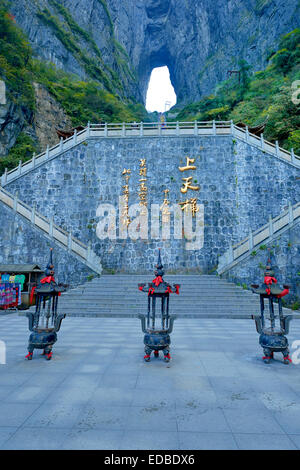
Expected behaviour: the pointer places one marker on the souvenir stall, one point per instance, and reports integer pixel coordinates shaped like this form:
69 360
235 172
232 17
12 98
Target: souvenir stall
17 282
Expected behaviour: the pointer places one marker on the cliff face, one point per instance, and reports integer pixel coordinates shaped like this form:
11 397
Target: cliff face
199 40
49 116
13 119
41 125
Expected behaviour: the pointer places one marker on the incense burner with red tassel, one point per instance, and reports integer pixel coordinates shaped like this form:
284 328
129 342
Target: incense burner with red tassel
158 325
45 322
272 336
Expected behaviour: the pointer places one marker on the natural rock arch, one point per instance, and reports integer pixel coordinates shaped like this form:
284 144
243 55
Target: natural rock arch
199 40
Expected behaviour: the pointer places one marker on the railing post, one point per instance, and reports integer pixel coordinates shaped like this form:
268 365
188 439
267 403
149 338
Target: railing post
195 128
5 176
61 143
262 141
141 129
20 167
51 227
277 148
247 134
159 128
271 227
232 127
177 128
33 214
33 160
15 201
75 137
251 244
231 258
123 130
214 128
88 255
105 130
293 156
89 129
291 213
70 241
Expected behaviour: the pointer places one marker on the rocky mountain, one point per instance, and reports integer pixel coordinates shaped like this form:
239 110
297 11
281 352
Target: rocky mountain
103 53
48 117
120 42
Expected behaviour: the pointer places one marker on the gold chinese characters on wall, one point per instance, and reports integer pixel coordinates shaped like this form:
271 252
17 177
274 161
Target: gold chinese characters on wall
143 190
188 184
126 175
165 208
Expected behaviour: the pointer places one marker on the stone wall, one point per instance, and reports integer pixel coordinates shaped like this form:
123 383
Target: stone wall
285 257
239 187
22 243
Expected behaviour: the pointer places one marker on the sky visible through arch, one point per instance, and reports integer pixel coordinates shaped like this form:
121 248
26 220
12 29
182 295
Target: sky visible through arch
160 95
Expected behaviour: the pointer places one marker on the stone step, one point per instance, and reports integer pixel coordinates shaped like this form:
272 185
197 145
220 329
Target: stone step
172 310
143 305
134 285
142 296
172 307
203 302
200 297
185 279
183 289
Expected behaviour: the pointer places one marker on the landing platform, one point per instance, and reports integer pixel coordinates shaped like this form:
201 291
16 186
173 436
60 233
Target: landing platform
97 392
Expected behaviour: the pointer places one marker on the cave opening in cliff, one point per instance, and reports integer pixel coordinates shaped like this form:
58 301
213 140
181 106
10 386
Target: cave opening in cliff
160 94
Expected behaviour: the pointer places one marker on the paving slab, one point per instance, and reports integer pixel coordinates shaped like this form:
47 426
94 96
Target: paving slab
98 393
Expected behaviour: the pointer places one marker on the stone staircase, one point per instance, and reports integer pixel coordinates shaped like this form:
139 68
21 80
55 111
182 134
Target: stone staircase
264 235
201 296
56 234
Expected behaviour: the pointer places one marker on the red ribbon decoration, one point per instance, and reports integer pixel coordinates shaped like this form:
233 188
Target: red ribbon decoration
158 280
151 290
31 295
47 280
168 290
287 358
283 293
177 289
269 280
141 288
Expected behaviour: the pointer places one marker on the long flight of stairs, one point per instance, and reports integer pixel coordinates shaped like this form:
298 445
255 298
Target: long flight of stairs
200 296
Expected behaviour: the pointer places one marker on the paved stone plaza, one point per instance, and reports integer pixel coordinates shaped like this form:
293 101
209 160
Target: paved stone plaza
97 392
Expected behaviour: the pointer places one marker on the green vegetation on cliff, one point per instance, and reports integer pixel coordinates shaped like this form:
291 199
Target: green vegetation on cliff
84 48
15 59
93 66
22 150
85 101
82 101
267 97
